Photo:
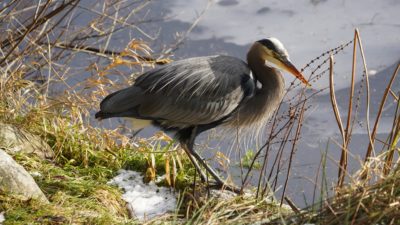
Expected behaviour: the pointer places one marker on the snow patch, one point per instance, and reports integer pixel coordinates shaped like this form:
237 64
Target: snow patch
145 201
2 218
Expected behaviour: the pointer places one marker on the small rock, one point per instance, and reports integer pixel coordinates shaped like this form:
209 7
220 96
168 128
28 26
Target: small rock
222 194
15 179
13 140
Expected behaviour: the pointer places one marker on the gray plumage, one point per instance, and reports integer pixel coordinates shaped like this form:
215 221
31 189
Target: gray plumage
195 91
197 94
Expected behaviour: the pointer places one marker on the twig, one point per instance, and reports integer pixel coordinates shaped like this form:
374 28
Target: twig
378 116
350 109
105 52
292 205
343 158
296 138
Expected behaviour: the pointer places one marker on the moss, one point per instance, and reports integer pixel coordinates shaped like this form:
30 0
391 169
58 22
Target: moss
247 160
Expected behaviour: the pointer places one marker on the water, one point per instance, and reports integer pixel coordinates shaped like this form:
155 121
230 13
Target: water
306 27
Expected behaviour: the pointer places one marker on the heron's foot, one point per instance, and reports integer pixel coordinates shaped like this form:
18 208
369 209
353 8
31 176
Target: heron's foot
225 186
218 183
221 184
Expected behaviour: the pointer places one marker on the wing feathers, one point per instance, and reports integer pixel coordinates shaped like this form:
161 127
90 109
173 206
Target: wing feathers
186 92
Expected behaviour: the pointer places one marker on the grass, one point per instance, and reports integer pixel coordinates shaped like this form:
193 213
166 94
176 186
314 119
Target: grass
76 195
44 94
75 181
247 158
378 203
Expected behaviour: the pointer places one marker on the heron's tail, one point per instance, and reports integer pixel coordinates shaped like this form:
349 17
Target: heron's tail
102 115
121 103
128 113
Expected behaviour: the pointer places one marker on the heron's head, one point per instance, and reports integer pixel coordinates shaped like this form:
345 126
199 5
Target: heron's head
275 55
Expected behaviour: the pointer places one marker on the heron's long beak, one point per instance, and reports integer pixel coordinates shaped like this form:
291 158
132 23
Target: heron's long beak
289 67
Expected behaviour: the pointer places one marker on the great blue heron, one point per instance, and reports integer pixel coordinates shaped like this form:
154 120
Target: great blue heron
193 95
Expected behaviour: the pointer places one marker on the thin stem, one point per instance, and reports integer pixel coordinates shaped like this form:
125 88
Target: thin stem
343 158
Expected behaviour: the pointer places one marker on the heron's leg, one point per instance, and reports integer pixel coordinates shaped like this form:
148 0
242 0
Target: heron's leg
203 176
205 165
218 179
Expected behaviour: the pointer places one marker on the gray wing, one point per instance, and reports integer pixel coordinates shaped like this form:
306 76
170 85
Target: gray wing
187 92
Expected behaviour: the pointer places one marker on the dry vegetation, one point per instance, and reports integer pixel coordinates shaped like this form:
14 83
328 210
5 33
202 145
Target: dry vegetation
372 195
52 78
53 73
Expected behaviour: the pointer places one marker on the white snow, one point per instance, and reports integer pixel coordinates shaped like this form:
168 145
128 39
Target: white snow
2 218
145 201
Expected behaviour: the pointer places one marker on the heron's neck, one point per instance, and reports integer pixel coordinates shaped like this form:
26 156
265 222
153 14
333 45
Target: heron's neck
270 78
267 98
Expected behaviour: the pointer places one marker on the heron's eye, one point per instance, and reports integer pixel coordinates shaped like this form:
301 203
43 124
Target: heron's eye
279 56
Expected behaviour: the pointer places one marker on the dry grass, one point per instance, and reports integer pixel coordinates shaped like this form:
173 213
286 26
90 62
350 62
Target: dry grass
48 89
372 195
378 203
